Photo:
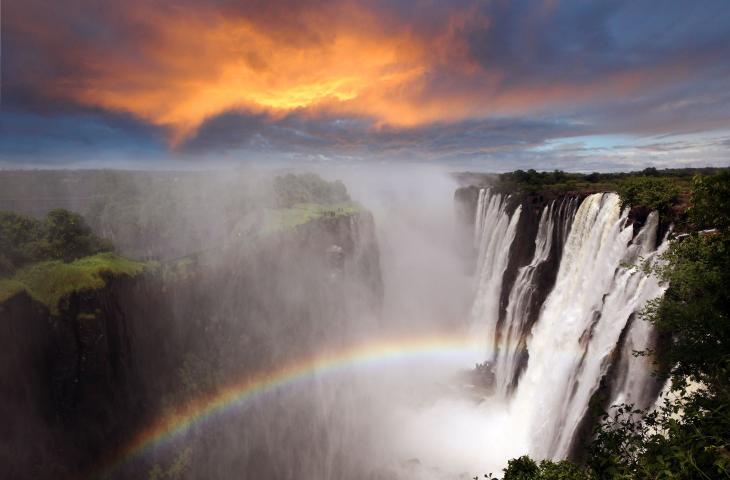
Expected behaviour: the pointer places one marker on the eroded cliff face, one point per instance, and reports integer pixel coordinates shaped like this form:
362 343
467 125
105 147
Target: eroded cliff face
545 273
560 285
24 373
522 248
77 384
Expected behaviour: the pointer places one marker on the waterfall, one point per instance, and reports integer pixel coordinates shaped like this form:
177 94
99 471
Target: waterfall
525 296
587 324
509 345
581 321
494 233
634 383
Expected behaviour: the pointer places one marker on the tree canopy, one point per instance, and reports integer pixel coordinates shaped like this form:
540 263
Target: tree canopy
61 235
656 193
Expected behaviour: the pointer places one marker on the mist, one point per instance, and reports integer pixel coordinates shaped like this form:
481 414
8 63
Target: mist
307 240
430 422
349 322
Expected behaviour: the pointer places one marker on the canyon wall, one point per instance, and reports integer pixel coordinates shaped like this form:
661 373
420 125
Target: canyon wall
77 383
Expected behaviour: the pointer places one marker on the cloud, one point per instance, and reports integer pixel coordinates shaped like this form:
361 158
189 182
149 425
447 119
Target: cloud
464 79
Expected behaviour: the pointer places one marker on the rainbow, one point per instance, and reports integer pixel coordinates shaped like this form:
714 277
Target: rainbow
374 353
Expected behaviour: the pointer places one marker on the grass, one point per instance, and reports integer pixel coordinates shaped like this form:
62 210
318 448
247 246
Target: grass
49 282
255 226
288 218
9 288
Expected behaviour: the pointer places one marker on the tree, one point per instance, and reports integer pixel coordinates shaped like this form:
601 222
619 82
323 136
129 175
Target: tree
559 176
711 201
524 468
656 193
21 241
62 235
593 177
69 237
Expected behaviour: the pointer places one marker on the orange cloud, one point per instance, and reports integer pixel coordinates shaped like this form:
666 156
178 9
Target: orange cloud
197 67
178 67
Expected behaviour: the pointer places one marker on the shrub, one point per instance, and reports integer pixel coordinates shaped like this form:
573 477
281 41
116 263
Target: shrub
68 237
656 193
524 468
710 206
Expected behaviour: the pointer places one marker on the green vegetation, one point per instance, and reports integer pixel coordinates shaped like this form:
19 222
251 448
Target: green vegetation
162 215
291 189
9 288
301 213
62 235
56 256
50 281
711 201
532 181
656 193
524 468
662 190
688 436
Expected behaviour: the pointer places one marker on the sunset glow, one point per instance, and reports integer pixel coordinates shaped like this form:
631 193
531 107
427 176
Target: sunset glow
363 78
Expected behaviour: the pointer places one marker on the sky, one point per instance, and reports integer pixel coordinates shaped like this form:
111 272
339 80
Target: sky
488 85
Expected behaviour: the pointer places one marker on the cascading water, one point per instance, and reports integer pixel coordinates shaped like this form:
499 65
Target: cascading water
581 322
587 323
494 234
634 383
511 343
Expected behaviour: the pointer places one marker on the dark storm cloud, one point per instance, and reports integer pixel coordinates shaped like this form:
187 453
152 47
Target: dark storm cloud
359 137
459 81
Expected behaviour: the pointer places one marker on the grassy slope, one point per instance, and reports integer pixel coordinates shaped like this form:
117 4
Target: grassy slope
48 282
9 287
287 218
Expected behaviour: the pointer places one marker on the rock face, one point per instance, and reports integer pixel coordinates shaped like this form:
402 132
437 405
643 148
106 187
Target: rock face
523 247
76 384
551 279
521 253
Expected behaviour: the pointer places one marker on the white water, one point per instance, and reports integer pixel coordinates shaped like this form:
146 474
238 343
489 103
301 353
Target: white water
634 383
495 234
510 346
577 335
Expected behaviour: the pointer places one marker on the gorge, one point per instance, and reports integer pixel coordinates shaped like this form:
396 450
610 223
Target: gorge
339 329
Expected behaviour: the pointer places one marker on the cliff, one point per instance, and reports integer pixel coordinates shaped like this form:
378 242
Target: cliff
522 302
84 368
